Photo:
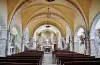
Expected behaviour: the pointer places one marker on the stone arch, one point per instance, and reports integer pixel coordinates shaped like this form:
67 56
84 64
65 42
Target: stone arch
14 45
77 45
94 46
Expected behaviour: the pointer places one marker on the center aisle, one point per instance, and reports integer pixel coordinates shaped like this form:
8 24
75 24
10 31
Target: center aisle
48 60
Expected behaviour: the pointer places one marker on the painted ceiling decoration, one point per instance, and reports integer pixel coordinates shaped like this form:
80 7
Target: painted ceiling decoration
66 9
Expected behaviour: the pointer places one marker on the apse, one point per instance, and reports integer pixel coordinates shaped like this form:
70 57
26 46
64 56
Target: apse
47 37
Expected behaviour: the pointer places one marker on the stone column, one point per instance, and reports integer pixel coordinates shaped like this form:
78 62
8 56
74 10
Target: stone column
76 44
8 49
3 41
31 43
73 43
22 44
88 46
88 43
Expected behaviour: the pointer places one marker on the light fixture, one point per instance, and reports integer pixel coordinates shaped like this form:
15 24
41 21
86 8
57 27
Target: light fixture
48 15
50 0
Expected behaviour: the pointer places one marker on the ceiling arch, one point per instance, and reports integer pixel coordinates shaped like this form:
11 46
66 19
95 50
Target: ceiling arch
68 10
76 3
61 18
51 31
53 15
24 2
40 22
66 17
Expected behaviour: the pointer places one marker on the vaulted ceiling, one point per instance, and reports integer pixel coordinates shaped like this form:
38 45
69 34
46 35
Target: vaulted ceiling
33 13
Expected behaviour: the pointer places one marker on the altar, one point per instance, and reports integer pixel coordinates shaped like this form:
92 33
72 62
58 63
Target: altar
47 48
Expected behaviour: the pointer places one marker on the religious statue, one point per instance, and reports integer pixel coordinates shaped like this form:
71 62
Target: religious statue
82 39
13 40
98 36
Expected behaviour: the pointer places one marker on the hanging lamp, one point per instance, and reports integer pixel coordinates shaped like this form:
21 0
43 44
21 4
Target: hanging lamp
48 15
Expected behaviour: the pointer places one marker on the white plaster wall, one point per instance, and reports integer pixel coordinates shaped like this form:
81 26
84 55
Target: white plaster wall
78 22
93 11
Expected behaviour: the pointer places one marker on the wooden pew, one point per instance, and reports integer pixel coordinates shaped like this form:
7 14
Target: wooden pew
23 58
66 56
77 59
24 64
13 63
54 53
6 63
71 56
82 63
38 61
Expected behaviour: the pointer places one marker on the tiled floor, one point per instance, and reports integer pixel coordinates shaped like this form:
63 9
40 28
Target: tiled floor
47 60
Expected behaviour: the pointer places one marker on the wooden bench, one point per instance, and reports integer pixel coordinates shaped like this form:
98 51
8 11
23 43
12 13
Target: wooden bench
82 63
23 58
62 57
61 61
12 63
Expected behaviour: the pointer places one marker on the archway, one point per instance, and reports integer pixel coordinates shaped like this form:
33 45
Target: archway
79 42
95 36
14 45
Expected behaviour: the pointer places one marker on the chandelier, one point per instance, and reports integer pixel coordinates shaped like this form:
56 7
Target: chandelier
50 0
48 15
